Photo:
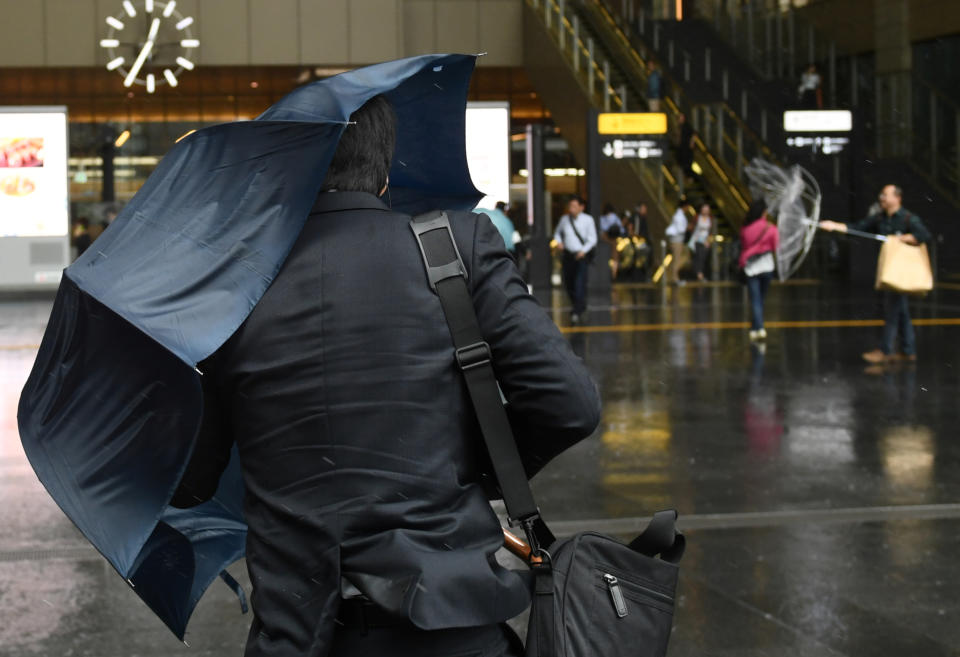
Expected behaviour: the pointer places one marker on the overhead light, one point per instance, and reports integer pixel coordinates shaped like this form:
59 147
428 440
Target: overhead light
109 43
169 8
128 7
557 173
190 43
185 22
114 64
114 23
185 63
151 83
171 78
122 138
325 72
148 6
254 84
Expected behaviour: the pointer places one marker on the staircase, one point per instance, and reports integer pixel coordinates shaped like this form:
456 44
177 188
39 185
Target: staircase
578 58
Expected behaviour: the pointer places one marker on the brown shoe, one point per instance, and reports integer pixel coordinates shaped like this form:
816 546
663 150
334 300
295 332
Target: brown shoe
875 357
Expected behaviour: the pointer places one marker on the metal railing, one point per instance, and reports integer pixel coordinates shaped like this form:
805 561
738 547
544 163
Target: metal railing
726 143
594 72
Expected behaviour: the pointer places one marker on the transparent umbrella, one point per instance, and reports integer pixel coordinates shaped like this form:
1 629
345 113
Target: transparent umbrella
793 198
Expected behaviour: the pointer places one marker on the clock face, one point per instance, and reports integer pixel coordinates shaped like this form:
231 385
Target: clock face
149 43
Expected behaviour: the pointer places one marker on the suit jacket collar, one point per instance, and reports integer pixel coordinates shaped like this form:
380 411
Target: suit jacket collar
339 201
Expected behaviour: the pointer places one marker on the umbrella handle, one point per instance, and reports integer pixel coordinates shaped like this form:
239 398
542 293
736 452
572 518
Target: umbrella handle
854 232
519 547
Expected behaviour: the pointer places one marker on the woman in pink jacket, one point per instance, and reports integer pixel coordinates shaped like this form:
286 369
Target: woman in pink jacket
758 243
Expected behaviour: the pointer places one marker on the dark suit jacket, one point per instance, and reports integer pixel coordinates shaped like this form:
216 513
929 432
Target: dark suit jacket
358 443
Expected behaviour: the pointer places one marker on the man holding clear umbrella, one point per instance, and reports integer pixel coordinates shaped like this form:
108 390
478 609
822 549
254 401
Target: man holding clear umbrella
895 222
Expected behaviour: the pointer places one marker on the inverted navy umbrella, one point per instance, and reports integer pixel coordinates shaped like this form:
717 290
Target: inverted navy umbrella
111 410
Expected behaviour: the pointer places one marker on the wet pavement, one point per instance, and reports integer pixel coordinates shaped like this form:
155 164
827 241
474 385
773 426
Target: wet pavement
821 498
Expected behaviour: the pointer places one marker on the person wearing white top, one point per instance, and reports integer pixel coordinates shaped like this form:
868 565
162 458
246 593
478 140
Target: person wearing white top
809 89
576 233
676 232
702 239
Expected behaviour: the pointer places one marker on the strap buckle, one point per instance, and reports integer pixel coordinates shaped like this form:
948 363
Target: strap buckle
473 355
527 524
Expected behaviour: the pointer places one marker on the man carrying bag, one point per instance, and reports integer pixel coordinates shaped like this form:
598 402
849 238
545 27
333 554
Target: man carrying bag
592 594
905 261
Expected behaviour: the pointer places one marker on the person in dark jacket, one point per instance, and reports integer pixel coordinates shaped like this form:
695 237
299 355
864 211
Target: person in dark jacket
896 222
370 529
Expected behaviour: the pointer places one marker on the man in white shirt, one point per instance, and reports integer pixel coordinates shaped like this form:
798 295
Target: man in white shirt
676 232
577 234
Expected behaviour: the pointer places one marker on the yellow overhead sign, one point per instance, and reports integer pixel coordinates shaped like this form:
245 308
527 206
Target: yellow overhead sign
632 123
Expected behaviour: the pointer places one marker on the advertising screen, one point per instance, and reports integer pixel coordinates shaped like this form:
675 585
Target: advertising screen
488 150
33 173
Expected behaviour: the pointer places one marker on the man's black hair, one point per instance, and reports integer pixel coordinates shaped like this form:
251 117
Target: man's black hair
361 162
608 208
579 199
502 206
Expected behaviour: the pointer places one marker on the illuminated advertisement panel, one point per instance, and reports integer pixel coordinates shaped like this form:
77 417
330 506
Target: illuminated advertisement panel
488 150
33 173
34 197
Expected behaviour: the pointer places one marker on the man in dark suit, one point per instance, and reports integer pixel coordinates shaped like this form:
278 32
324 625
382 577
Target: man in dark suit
370 532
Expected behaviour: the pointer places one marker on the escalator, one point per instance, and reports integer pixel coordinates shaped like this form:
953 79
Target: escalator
578 59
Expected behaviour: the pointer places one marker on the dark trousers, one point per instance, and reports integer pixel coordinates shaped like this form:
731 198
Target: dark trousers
700 258
896 315
757 289
406 640
575 280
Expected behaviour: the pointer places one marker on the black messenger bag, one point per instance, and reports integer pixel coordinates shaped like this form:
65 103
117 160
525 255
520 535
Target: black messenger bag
593 595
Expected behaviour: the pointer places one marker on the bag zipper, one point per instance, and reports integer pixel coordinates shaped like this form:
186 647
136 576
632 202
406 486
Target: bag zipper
619 603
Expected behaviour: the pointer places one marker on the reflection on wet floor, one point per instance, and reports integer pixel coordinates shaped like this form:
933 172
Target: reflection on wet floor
820 495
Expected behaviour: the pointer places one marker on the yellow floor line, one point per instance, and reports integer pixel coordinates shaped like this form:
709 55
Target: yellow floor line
717 326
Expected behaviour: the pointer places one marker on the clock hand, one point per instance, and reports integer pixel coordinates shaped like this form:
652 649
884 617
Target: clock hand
144 53
141 58
154 28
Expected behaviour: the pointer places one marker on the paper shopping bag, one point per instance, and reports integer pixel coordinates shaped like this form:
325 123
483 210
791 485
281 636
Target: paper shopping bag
904 268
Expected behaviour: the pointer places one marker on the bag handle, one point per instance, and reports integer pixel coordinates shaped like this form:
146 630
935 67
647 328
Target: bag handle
448 278
661 537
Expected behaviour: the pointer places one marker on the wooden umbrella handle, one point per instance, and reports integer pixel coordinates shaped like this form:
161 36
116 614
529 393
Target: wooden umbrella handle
519 547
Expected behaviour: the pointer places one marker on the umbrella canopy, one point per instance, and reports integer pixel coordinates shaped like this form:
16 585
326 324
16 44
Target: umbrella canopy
111 409
793 198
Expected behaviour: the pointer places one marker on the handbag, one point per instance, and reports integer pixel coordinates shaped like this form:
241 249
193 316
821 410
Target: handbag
904 268
761 263
592 595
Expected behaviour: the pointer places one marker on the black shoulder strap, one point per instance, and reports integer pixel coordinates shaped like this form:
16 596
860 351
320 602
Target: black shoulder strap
576 232
448 278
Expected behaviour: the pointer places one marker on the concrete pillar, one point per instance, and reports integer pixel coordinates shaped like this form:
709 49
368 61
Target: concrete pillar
894 63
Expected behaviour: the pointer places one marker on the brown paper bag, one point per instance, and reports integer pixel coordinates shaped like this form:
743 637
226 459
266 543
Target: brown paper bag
904 268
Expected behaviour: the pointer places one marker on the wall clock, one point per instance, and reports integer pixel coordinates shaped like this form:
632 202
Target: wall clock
149 43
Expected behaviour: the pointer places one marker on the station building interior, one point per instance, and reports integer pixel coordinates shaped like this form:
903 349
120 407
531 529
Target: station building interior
819 494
